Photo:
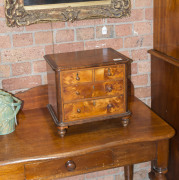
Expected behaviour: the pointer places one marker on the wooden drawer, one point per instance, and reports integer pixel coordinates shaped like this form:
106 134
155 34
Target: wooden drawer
74 77
92 108
83 91
108 73
57 167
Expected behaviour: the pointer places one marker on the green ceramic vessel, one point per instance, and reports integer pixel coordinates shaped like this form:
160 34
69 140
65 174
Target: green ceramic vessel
9 107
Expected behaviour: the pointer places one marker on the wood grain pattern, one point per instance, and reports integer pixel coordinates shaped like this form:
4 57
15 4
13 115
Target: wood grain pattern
74 77
166 18
110 73
85 59
57 167
92 90
39 98
82 77
165 102
34 150
93 108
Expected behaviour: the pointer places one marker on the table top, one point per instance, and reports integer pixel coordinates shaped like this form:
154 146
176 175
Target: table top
84 59
36 137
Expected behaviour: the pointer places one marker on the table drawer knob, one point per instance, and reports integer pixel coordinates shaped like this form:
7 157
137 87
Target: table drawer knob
70 165
109 72
109 89
77 93
78 110
77 77
109 106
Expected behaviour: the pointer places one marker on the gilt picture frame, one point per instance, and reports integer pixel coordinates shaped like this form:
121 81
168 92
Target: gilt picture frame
17 14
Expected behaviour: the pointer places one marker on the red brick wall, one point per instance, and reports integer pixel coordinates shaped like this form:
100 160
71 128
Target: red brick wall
22 49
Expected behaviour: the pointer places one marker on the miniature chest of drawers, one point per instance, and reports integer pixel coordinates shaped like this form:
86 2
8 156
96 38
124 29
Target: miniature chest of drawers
87 86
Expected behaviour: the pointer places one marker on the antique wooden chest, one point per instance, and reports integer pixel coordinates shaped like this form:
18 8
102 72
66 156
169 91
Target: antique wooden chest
87 86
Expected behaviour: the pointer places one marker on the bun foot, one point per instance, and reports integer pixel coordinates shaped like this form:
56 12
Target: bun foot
125 121
62 131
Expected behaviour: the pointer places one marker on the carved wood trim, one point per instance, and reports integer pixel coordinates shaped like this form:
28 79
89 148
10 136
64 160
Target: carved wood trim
16 14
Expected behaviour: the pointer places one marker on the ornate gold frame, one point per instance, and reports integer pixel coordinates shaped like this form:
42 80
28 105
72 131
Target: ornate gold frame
19 15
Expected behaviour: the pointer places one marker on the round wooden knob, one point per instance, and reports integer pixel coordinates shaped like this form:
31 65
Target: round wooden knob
109 89
70 165
78 110
109 106
77 93
77 77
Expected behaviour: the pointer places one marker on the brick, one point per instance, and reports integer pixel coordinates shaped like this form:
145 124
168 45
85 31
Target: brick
2 13
20 40
39 66
149 13
84 33
126 53
123 30
44 79
57 25
136 15
139 54
90 22
119 177
141 175
4 71
113 43
106 178
139 80
149 102
132 42
39 26
143 3
142 28
21 69
104 173
134 68
79 177
110 32
65 35
22 54
4 28
146 165
142 92
44 37
67 47
5 42
147 40
144 67
21 83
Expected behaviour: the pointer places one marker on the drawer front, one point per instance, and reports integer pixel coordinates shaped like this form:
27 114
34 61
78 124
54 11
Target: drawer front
74 77
60 167
79 91
110 88
83 91
93 108
109 73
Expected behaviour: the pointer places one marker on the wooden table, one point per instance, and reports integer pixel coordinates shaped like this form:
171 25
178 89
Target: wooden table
36 151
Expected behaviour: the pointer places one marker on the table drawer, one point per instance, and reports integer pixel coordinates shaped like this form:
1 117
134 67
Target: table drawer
68 166
83 91
93 108
108 73
74 77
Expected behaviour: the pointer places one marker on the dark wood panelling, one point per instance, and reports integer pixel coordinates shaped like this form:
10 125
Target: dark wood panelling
165 102
166 27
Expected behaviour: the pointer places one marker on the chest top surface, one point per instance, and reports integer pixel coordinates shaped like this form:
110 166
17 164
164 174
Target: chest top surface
84 59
